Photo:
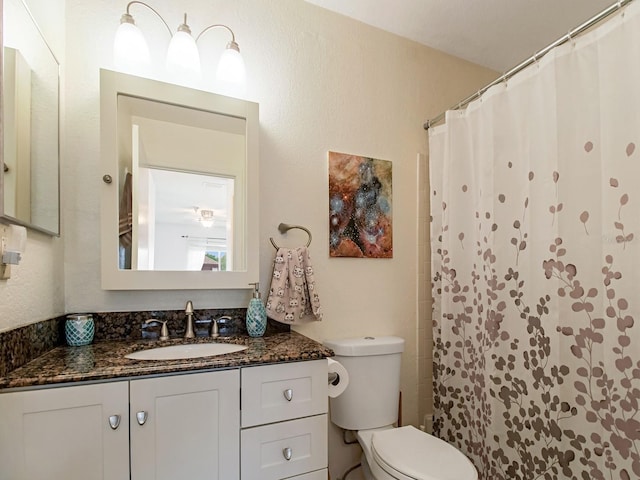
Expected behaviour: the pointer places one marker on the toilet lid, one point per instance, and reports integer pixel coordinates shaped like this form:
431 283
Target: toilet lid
408 453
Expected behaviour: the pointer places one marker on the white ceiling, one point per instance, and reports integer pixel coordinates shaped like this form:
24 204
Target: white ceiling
498 34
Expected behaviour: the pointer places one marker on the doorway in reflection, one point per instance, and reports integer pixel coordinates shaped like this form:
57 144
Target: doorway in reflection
184 221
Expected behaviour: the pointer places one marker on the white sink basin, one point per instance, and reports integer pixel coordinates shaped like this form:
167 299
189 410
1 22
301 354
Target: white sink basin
178 352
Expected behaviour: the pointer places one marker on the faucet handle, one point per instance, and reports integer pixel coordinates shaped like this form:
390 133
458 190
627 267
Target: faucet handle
164 332
214 325
188 309
214 328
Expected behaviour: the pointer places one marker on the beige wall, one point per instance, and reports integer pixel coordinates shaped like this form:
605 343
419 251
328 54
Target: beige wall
323 82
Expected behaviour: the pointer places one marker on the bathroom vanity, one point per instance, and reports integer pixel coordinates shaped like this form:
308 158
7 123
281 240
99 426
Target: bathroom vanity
90 413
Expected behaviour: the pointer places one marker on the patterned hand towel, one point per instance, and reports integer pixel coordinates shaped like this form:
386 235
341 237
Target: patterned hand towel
293 294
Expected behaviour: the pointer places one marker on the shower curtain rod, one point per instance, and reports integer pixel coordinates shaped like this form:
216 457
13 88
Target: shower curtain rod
534 58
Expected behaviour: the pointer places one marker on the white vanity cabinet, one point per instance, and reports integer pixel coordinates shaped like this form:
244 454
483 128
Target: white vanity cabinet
193 426
284 421
71 433
181 426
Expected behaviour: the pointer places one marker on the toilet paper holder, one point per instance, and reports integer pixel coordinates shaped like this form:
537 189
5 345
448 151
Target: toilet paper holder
337 378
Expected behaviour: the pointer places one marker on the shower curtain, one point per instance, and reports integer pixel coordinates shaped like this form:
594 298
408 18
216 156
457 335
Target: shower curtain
535 234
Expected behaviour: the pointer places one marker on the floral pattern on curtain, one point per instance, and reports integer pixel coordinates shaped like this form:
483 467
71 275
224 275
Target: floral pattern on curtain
535 238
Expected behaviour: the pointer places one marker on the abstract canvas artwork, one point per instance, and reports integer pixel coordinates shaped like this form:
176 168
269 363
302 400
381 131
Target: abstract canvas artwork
360 207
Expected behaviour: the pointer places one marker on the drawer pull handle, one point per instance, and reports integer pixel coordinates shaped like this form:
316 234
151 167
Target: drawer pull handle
142 417
287 453
114 421
288 394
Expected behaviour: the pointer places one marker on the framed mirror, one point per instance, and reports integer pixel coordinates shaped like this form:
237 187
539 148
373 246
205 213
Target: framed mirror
180 187
29 177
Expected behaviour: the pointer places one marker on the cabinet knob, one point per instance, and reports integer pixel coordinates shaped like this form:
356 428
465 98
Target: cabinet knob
114 421
288 394
142 417
287 453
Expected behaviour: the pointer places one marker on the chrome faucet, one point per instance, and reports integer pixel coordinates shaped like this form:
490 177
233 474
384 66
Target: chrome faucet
188 310
214 326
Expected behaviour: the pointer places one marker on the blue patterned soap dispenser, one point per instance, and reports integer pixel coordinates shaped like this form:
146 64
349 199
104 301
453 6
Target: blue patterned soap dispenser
256 314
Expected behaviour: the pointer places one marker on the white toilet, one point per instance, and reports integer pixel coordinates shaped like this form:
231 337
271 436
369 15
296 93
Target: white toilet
369 406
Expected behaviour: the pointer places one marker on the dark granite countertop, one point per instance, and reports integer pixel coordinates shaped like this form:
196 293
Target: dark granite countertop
106 360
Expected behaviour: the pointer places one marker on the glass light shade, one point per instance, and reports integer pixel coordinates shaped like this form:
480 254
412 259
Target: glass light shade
182 55
206 218
130 50
231 67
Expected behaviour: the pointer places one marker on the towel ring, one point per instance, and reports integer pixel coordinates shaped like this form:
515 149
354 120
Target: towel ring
285 227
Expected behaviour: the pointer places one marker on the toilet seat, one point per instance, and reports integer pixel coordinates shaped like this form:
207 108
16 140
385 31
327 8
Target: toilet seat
407 453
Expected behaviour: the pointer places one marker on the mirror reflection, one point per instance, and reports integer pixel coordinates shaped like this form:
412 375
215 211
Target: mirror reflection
182 175
30 89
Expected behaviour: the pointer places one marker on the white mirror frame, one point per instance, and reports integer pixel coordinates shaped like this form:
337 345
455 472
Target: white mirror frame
113 278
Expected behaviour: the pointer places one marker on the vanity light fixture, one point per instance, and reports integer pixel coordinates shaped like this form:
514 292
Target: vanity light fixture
183 59
12 246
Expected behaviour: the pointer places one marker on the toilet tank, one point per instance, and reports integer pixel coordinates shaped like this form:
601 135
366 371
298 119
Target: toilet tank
371 398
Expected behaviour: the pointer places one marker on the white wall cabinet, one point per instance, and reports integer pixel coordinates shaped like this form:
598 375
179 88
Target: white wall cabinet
183 426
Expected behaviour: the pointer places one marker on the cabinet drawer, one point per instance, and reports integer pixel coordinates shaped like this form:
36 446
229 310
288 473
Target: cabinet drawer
317 475
265 449
271 393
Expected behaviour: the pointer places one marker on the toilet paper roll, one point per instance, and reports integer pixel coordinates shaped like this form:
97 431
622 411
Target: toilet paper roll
341 383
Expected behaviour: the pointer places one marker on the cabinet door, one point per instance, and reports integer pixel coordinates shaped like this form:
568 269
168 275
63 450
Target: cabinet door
65 433
186 426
